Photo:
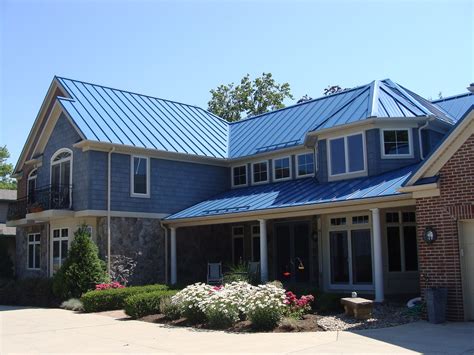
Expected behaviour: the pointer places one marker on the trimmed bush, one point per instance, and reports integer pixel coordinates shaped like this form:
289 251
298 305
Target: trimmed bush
35 292
82 269
108 300
144 304
169 309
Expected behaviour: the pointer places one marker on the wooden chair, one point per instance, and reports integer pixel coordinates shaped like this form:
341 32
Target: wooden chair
214 274
254 270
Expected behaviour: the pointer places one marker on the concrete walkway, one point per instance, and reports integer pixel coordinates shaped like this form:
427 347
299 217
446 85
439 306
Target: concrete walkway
35 330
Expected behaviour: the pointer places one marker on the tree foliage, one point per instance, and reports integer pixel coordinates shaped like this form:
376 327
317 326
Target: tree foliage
332 89
6 169
82 269
304 98
249 98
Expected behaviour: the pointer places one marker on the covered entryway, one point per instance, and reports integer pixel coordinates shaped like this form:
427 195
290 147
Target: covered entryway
467 260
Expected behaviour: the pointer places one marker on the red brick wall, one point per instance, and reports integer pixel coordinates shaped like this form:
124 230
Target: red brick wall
440 261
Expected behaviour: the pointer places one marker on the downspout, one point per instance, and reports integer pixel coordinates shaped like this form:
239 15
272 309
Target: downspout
109 177
166 251
420 141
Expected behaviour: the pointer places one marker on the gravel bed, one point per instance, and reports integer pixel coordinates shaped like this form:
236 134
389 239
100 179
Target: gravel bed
383 316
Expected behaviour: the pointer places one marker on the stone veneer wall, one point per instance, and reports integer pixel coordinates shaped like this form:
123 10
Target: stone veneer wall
440 264
21 261
139 238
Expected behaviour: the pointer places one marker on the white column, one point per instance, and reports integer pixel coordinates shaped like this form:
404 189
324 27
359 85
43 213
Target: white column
378 264
174 271
263 251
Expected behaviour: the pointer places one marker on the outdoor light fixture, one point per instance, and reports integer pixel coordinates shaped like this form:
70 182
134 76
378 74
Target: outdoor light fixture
430 235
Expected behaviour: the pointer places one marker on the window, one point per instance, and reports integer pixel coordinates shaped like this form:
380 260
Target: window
256 243
260 172
34 251
340 221
396 143
282 169
237 245
239 175
60 245
347 154
305 164
360 219
61 179
401 241
140 179
31 192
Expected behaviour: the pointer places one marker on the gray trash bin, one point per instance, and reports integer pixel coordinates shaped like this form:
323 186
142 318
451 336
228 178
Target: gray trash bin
436 300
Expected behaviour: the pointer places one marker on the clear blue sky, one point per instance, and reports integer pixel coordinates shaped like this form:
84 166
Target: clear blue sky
181 50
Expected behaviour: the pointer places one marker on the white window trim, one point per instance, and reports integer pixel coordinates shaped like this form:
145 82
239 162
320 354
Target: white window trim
60 239
35 245
297 169
396 156
357 173
400 224
268 173
348 227
30 178
254 235
132 176
246 175
52 163
241 236
290 165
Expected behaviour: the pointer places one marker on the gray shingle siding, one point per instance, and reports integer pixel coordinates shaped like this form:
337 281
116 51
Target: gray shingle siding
430 138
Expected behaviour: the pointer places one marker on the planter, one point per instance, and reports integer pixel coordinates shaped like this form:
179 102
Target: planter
436 300
36 209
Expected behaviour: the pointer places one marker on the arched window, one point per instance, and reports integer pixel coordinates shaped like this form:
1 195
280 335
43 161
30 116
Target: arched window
31 191
61 179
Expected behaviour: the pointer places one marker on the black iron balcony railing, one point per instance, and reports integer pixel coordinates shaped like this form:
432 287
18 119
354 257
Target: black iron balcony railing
50 197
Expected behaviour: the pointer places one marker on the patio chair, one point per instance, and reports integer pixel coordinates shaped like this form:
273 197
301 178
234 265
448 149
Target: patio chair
214 274
254 270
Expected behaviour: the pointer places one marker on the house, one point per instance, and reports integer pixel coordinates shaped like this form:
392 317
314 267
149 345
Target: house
7 234
328 192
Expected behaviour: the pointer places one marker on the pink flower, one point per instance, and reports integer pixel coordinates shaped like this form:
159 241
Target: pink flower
106 286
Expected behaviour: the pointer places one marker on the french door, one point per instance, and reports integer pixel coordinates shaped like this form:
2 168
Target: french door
292 250
350 257
59 248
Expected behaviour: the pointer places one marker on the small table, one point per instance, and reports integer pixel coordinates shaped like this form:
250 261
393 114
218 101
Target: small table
358 307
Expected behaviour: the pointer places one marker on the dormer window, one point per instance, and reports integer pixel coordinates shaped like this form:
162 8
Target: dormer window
305 164
260 172
239 175
282 169
347 155
396 143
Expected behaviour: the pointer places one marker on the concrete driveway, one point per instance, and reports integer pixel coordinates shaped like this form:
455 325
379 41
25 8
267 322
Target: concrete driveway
37 330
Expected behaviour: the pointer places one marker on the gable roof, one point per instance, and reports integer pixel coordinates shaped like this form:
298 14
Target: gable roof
456 105
296 193
121 117
288 127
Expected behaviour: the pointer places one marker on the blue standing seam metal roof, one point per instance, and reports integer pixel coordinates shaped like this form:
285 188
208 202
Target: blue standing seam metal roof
121 117
295 193
288 126
457 105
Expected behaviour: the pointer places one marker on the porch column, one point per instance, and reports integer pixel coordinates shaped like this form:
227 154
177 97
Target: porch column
378 265
263 251
174 273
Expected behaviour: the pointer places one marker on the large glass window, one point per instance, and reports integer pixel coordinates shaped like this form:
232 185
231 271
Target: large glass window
402 245
346 154
282 168
396 142
305 164
34 251
239 175
61 179
260 172
31 192
237 245
60 247
140 176
339 249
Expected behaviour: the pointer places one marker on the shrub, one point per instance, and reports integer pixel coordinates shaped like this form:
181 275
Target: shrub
107 300
221 307
169 309
189 300
6 264
237 273
73 304
35 292
144 304
266 307
297 307
82 268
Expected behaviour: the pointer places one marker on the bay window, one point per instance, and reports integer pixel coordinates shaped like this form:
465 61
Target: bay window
347 155
305 164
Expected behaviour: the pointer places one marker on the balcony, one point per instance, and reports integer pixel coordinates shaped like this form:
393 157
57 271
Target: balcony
50 197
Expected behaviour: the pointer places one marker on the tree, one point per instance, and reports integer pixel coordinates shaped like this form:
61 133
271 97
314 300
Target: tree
304 99
250 97
6 169
333 89
82 269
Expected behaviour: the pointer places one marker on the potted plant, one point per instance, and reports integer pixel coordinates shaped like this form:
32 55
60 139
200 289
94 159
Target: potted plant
35 207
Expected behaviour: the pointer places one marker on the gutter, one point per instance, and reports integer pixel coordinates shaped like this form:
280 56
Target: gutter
166 251
109 177
420 142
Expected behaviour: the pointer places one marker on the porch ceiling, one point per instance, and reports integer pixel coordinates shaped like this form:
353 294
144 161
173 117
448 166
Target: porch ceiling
296 193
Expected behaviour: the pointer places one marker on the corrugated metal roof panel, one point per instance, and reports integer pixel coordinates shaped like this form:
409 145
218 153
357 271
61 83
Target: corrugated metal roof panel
122 117
457 105
297 193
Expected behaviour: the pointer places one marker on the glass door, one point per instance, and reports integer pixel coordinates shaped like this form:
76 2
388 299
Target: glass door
60 246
